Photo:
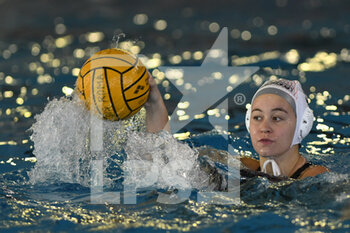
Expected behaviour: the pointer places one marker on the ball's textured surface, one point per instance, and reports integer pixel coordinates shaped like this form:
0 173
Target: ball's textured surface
114 84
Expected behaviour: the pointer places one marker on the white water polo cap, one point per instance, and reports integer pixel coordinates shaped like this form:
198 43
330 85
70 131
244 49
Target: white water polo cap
292 92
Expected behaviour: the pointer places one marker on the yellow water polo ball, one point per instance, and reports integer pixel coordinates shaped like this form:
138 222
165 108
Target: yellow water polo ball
113 83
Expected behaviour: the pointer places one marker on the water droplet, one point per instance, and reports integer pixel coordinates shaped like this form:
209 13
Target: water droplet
116 38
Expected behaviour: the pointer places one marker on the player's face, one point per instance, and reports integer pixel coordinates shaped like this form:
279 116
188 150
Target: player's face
272 125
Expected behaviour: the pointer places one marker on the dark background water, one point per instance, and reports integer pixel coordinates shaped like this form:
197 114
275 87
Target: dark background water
310 27
307 26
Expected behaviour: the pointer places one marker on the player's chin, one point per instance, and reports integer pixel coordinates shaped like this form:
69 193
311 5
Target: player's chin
265 152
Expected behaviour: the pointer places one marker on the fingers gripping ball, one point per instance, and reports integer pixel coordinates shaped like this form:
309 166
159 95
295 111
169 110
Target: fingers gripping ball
114 84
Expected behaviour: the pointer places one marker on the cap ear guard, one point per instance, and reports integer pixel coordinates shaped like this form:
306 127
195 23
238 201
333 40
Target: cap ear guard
306 123
247 118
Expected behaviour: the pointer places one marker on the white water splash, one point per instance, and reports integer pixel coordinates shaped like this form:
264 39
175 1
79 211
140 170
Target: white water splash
161 161
61 137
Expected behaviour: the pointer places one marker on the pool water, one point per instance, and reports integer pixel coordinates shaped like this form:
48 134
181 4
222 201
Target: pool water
45 159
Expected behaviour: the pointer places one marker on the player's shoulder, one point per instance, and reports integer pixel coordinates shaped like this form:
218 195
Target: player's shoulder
250 163
313 170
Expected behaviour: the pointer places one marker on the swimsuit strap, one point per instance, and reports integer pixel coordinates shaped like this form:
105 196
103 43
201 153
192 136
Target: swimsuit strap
298 172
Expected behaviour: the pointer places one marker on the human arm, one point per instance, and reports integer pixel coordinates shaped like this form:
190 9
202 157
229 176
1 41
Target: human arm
156 112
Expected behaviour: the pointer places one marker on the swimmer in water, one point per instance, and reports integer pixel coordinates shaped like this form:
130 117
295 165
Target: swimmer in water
278 120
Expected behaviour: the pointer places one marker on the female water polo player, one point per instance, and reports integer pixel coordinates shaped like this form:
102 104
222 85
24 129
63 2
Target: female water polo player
278 120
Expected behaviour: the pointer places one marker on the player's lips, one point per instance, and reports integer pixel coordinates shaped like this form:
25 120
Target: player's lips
266 141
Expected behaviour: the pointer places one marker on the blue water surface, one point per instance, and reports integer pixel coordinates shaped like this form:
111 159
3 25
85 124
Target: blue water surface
44 43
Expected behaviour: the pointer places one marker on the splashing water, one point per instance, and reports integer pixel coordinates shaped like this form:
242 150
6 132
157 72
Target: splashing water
159 159
63 147
116 38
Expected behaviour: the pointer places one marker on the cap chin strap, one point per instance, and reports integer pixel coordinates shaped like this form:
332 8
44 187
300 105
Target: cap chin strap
275 169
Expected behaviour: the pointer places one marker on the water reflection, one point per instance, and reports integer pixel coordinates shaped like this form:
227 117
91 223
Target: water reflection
311 50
